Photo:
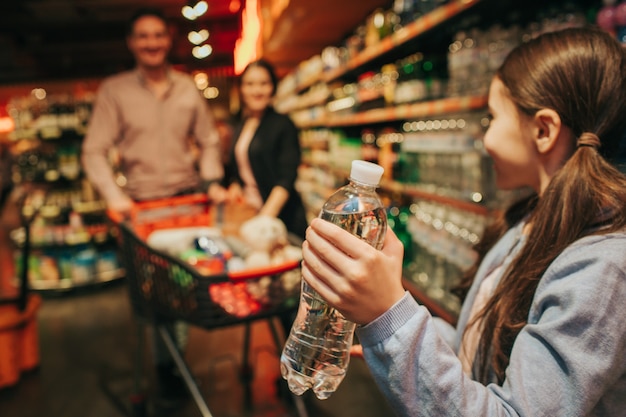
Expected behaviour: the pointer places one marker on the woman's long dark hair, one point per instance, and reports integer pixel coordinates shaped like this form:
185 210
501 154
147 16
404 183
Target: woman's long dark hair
580 74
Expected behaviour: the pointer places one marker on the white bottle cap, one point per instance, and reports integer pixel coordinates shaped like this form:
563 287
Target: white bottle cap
366 172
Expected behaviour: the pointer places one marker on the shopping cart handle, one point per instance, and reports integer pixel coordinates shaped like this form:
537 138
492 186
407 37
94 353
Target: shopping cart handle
115 216
139 206
198 198
262 271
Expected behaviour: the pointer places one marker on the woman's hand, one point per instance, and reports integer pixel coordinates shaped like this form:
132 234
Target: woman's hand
234 194
352 276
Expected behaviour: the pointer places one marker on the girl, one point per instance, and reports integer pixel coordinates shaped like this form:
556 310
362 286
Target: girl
542 330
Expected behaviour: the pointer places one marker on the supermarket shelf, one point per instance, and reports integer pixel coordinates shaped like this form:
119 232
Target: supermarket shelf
406 34
400 112
413 191
309 82
99 237
402 36
65 285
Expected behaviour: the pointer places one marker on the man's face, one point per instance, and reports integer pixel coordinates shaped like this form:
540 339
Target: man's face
150 42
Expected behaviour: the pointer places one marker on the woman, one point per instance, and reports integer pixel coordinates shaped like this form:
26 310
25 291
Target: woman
265 155
542 329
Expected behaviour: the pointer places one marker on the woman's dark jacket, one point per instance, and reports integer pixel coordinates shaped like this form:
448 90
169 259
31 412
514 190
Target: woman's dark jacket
274 155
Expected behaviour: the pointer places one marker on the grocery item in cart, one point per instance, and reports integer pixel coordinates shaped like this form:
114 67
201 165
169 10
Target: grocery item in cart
268 242
262 242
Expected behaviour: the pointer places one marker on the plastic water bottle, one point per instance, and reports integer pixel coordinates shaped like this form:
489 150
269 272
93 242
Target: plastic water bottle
317 351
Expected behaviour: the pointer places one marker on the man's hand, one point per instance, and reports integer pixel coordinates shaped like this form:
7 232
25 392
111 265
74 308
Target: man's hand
216 193
122 205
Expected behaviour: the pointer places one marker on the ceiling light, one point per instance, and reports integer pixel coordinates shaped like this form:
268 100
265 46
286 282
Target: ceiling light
201 8
39 93
202 80
201 52
211 92
189 13
198 37
193 11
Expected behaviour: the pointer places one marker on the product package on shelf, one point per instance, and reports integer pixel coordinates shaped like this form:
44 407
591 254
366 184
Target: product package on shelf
66 239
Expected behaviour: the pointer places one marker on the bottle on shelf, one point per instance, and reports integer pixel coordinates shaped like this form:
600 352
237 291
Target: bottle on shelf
317 351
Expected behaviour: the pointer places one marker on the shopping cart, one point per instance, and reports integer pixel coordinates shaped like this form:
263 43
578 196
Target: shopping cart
163 288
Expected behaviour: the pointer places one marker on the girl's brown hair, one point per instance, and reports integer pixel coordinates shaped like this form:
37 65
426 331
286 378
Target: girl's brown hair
580 74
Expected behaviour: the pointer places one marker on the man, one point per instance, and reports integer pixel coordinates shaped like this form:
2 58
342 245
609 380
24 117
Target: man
150 115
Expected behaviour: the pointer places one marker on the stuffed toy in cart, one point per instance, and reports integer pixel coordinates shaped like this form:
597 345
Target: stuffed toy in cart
267 239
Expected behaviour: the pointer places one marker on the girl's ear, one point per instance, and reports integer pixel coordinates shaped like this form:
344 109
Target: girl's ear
547 130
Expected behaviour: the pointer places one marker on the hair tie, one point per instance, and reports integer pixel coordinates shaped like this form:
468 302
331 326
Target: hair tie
588 139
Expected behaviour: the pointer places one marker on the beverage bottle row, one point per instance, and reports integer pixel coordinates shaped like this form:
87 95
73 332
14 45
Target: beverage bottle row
441 155
475 53
442 248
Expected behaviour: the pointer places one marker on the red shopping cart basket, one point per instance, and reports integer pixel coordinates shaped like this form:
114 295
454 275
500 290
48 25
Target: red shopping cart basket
165 287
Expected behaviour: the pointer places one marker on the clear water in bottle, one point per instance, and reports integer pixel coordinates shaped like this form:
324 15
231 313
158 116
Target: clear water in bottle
317 351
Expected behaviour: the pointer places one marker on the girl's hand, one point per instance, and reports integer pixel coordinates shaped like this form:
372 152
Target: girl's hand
352 276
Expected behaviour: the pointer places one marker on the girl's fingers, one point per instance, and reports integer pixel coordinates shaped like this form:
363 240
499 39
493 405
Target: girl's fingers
311 276
316 262
326 250
347 243
325 268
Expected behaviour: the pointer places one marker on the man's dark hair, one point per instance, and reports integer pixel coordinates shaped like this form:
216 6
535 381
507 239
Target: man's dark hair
142 12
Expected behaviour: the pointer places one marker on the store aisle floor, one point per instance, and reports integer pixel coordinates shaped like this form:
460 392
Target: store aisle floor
88 342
